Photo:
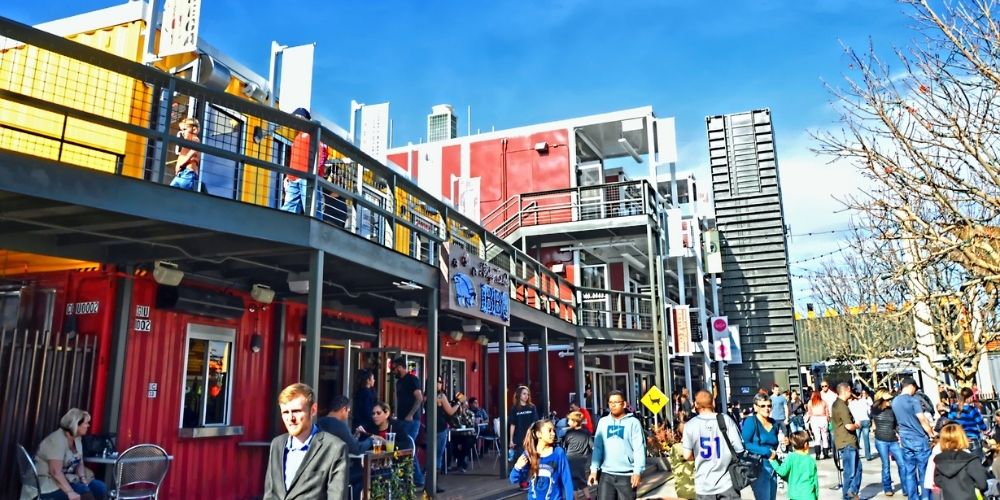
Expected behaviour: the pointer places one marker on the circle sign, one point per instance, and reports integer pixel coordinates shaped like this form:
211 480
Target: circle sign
720 325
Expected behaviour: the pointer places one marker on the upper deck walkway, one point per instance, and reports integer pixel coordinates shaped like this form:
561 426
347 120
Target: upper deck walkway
88 141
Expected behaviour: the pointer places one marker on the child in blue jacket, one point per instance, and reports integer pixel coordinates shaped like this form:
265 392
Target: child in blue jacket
543 465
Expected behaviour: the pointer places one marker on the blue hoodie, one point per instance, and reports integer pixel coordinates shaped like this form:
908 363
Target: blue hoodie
554 480
619 446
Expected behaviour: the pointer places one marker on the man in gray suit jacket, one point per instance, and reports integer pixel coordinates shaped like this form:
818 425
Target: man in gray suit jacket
306 463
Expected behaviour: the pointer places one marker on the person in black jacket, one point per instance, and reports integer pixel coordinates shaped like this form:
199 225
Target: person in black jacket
886 438
579 445
957 472
336 422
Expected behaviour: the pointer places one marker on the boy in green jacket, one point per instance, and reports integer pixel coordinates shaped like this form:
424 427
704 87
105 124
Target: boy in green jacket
799 469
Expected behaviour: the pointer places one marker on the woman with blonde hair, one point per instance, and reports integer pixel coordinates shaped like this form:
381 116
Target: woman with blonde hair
59 461
818 419
957 473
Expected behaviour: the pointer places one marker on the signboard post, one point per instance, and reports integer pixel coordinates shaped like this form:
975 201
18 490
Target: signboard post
681 315
654 400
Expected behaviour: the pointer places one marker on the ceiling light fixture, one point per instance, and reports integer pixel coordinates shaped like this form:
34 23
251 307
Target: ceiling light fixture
407 285
630 150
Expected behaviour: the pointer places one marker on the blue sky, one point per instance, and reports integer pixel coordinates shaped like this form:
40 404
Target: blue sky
524 62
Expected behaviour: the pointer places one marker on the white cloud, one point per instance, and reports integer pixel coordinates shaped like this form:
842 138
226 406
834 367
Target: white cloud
812 191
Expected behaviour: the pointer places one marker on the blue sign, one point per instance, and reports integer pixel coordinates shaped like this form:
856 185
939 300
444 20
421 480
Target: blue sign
473 287
494 302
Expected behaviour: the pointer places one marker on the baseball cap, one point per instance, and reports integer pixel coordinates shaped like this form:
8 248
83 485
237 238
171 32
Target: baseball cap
909 381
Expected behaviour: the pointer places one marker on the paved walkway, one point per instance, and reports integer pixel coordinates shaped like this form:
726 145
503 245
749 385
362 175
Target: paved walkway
871 483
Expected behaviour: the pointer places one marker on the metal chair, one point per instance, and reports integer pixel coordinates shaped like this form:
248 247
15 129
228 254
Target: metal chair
139 472
29 474
495 438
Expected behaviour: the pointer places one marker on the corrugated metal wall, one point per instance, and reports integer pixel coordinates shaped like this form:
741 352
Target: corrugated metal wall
414 339
206 467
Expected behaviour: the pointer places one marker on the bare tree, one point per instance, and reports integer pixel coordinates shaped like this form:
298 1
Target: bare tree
922 126
864 322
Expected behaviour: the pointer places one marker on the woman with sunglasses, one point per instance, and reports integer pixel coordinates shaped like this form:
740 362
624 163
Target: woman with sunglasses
760 437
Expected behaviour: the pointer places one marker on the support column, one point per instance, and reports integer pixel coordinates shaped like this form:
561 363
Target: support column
433 371
314 315
581 384
543 373
119 346
485 398
502 408
527 361
281 320
630 393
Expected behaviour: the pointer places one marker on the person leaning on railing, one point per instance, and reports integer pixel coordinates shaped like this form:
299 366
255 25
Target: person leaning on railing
295 188
187 170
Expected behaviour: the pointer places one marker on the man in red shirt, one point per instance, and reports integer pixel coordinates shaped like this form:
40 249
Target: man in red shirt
295 188
588 422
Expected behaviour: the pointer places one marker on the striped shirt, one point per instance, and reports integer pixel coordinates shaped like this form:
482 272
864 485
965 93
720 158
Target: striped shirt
970 419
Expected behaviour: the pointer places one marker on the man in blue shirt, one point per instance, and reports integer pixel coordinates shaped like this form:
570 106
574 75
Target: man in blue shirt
915 433
619 452
779 409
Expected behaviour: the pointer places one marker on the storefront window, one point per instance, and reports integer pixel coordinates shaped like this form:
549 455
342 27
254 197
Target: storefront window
453 374
207 377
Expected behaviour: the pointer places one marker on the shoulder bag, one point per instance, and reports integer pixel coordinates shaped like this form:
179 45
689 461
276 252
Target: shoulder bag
744 467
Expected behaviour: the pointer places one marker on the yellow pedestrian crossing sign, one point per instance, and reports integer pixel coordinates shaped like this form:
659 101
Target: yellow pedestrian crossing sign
654 400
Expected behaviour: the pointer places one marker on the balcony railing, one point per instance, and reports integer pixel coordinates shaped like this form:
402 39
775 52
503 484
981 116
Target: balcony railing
607 201
83 107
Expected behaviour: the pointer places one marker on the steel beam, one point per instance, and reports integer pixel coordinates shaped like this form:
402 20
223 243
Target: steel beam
543 372
314 314
119 346
433 371
502 406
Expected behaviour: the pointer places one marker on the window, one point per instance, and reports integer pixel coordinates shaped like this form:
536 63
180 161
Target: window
453 375
208 376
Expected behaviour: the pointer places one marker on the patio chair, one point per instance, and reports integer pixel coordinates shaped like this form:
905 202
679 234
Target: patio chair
139 472
491 438
28 473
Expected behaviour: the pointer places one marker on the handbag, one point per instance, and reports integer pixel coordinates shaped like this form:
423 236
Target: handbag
745 467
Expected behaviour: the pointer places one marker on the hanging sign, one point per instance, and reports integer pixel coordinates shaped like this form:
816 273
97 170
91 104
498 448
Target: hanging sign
179 28
681 316
474 287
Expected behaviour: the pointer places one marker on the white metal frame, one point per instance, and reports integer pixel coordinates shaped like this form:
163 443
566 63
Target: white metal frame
209 333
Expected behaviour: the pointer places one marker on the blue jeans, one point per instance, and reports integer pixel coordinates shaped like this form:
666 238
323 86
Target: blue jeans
850 458
864 435
912 469
412 428
765 487
185 179
442 439
888 449
95 487
295 197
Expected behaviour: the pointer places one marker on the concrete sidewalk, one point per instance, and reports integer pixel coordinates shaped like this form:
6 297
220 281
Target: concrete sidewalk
871 482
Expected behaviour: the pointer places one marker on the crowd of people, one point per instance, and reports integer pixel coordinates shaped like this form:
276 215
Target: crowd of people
943 452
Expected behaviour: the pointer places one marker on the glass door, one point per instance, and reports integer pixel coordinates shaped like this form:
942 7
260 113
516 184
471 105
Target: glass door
594 307
590 202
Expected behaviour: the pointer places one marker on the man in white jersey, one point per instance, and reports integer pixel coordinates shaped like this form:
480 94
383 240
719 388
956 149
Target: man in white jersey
704 443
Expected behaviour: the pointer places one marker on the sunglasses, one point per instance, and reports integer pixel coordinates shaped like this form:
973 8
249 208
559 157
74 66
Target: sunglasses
763 406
